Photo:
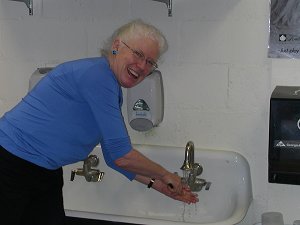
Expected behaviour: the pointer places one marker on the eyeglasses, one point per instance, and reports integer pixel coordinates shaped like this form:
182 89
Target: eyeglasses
139 55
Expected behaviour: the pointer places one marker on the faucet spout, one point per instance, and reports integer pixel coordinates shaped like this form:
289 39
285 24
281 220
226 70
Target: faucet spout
188 163
191 170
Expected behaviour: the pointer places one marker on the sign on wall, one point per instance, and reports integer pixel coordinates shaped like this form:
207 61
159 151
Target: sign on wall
284 41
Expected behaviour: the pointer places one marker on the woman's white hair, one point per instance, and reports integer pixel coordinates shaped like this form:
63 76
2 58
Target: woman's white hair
133 30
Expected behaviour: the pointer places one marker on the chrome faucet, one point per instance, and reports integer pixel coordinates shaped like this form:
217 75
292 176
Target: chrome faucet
193 170
91 175
188 163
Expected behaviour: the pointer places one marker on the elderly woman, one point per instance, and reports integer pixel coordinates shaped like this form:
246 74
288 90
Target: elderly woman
74 108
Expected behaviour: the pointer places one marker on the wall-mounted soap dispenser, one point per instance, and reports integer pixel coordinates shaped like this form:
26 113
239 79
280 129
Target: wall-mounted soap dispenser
145 103
284 135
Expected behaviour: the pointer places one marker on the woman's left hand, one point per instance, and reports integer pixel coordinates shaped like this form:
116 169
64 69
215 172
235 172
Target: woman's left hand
173 183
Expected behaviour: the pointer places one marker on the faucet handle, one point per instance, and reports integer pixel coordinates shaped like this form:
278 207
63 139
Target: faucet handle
207 186
90 175
198 169
94 176
73 173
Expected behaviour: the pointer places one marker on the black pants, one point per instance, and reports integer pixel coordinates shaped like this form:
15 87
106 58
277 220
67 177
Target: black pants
29 194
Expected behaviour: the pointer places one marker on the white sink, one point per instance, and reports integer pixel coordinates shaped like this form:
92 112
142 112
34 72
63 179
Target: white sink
117 199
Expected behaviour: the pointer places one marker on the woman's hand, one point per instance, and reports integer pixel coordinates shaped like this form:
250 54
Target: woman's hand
173 182
185 195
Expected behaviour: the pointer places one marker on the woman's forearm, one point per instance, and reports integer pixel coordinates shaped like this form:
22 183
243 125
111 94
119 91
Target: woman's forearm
136 162
139 164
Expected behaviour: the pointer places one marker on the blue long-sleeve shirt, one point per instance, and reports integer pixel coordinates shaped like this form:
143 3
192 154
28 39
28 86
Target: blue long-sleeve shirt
71 110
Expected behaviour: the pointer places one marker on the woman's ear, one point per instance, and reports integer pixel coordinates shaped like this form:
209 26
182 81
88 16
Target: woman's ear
115 45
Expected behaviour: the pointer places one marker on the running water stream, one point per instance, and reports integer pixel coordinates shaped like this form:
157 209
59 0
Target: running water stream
187 209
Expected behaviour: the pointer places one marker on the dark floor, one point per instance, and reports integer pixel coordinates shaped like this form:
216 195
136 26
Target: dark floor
82 221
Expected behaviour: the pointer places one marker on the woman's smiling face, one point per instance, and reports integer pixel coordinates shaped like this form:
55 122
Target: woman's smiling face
134 60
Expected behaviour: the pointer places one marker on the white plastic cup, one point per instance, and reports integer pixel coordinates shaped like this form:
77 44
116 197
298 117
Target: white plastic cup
272 218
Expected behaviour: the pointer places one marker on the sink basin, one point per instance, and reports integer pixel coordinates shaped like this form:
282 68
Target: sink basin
117 199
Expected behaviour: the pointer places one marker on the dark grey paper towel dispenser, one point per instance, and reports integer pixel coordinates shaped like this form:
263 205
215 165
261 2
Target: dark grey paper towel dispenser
284 135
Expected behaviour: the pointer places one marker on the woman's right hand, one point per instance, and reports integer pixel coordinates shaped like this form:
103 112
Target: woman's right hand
185 195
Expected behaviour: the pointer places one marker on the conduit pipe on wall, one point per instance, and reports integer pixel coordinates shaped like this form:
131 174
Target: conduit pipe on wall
169 5
29 4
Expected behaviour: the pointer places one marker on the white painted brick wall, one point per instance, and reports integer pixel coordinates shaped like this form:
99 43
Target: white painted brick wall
217 76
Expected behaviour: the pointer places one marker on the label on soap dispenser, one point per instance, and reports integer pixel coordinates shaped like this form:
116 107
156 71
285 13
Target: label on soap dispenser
142 114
